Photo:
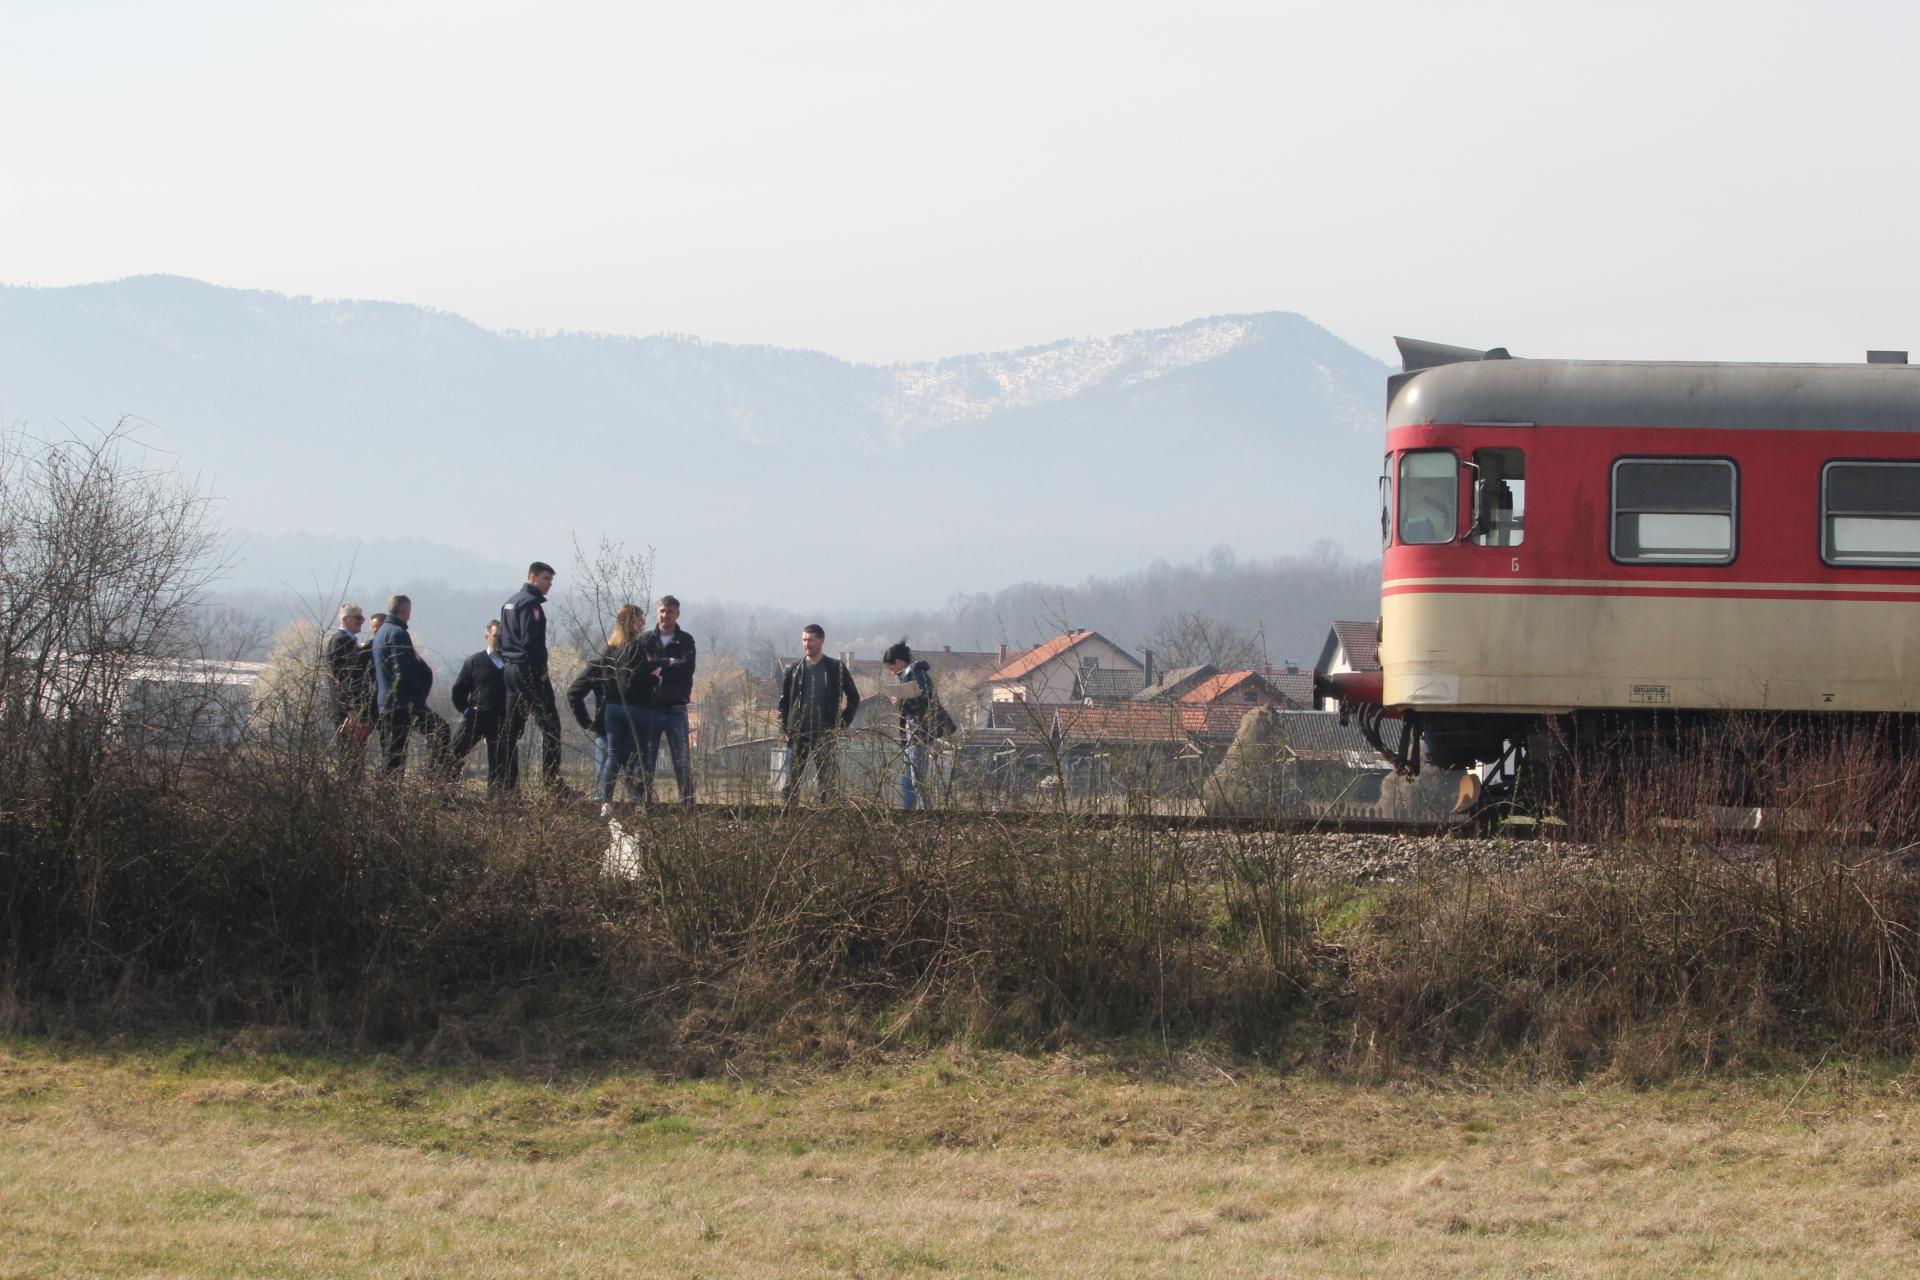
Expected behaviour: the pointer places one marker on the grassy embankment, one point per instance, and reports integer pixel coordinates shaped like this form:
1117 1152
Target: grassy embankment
180 1162
847 1043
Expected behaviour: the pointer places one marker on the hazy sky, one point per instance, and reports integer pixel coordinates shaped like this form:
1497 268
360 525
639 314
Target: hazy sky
905 180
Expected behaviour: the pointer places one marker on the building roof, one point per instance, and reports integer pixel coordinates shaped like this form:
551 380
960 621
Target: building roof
1148 721
1361 641
988 738
1112 682
1041 654
1171 684
1215 719
1295 685
1037 716
1319 736
1219 686
1122 722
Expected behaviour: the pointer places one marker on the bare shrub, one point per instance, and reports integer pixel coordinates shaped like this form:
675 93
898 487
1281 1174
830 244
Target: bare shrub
105 553
1745 889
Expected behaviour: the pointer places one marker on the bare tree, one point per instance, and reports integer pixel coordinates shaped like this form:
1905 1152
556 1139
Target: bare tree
1193 639
106 556
602 580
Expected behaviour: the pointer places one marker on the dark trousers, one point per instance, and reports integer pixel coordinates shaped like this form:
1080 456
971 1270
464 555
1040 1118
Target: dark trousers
817 747
397 724
475 728
670 723
530 694
350 737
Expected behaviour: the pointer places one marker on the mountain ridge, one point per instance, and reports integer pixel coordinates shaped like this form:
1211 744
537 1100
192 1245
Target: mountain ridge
358 417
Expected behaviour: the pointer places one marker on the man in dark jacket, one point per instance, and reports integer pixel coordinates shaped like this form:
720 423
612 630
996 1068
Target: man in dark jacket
672 648
348 674
817 700
403 680
523 645
480 699
919 712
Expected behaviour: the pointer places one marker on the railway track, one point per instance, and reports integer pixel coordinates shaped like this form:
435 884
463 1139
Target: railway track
1027 819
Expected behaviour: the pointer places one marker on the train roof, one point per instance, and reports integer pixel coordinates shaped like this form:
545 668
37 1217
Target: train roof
1456 385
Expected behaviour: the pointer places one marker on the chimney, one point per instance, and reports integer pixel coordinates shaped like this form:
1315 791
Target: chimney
1149 654
1003 653
946 648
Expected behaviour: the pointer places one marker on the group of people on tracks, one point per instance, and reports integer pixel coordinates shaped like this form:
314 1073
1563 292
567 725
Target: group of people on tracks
639 688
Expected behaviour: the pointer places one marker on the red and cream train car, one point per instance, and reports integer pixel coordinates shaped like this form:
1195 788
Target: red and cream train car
1639 539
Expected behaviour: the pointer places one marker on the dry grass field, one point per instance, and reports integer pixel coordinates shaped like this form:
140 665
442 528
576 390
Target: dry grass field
181 1162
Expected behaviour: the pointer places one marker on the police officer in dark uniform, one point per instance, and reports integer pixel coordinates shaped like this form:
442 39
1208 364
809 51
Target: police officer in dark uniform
523 646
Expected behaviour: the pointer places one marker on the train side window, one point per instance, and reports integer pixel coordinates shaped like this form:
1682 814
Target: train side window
1870 513
1429 496
1674 510
1499 497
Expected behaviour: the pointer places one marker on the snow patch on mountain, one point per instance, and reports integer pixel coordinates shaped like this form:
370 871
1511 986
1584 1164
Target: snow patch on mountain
1357 415
969 388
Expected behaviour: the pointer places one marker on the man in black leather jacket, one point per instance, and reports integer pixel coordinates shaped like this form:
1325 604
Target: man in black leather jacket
817 700
671 646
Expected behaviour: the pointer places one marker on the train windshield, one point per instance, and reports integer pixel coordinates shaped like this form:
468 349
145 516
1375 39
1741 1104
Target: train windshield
1429 496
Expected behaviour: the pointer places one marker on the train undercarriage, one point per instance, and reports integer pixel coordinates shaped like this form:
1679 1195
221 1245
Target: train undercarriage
1602 769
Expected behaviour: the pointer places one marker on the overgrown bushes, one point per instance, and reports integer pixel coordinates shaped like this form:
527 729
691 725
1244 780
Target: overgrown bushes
369 913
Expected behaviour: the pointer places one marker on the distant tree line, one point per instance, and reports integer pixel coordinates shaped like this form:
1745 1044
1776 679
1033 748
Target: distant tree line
1219 608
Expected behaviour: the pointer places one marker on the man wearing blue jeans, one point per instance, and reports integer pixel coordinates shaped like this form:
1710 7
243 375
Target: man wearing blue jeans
672 648
918 711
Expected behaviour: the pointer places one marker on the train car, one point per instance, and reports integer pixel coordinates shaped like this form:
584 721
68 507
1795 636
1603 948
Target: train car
1638 541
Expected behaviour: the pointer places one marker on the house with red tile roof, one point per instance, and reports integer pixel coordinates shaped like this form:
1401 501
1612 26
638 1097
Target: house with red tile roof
1244 689
1126 722
1071 667
1171 685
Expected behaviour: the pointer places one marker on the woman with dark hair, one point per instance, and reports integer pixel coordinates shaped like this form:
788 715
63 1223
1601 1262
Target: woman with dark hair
629 677
919 712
